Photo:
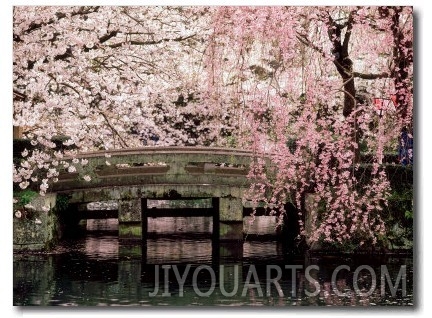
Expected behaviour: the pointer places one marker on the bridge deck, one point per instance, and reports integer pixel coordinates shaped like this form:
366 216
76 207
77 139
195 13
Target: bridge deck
162 170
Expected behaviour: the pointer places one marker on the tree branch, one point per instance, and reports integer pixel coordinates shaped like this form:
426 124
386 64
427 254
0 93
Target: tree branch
371 76
108 36
125 145
179 39
349 26
303 39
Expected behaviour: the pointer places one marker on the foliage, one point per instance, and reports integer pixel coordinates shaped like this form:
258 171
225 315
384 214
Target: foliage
22 207
399 216
259 78
62 203
303 86
24 197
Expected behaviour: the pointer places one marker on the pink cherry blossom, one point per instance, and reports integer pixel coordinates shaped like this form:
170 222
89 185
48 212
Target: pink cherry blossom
293 84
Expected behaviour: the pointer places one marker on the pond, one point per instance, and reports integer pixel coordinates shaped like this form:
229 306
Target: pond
187 268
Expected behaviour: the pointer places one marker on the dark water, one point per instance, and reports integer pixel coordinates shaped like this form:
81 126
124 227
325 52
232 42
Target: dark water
180 269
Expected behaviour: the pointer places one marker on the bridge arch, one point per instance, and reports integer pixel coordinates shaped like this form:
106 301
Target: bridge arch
132 176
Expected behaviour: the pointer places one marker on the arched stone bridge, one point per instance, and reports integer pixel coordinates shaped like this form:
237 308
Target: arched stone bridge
131 176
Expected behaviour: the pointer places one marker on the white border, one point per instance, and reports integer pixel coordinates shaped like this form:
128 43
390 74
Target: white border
423 53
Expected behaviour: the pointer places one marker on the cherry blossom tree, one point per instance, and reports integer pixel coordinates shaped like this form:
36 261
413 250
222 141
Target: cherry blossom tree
97 75
294 84
100 68
294 71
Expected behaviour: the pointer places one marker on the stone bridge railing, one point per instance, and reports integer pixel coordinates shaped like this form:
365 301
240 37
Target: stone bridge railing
131 176
189 171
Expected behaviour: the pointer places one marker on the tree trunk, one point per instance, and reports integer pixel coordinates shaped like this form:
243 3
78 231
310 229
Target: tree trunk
17 132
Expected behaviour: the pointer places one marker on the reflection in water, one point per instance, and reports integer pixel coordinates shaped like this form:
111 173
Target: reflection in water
164 225
261 225
256 249
97 270
102 225
168 251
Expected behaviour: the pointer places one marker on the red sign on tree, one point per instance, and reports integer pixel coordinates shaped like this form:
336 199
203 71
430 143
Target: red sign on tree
383 104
